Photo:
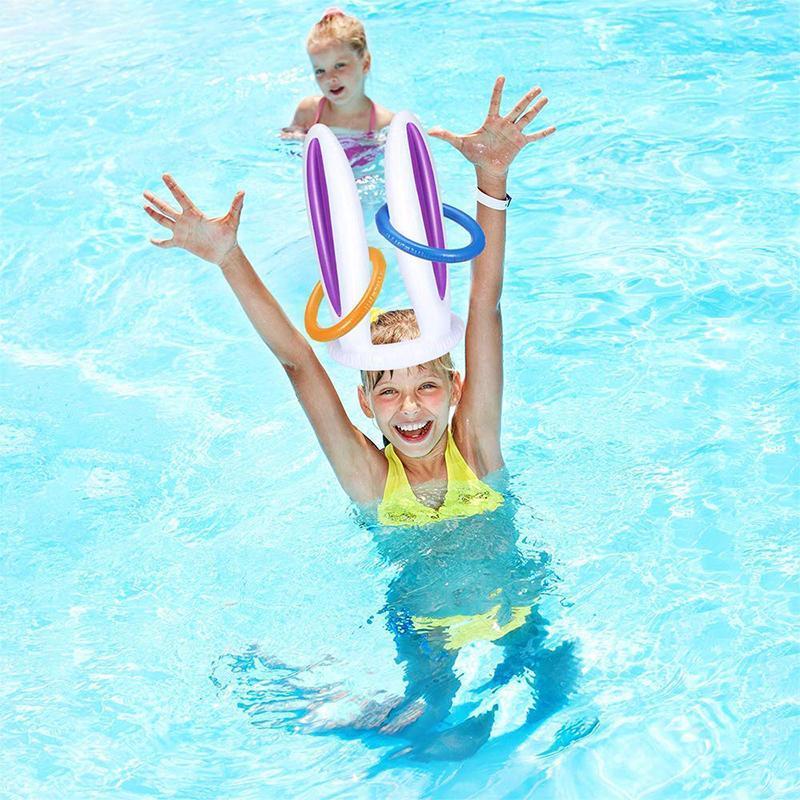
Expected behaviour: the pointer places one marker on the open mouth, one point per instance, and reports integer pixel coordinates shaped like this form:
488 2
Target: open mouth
415 432
337 92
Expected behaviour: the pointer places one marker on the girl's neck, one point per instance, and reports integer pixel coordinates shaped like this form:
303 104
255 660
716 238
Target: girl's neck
349 113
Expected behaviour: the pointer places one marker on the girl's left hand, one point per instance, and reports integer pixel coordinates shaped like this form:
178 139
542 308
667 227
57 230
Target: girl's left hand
496 143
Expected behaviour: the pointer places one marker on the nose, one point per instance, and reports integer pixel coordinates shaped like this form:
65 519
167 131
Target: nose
409 405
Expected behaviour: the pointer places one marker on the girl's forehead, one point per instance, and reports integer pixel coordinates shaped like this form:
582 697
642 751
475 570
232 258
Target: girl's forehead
325 52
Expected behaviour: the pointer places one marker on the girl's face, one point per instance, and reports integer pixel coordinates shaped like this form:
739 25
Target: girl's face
339 71
412 407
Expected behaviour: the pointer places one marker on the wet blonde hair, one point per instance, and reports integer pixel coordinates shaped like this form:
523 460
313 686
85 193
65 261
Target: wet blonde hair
397 326
336 26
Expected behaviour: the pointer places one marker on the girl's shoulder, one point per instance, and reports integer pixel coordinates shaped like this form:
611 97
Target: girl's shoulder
306 111
382 116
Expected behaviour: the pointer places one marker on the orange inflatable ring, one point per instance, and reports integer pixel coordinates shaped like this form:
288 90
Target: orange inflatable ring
360 310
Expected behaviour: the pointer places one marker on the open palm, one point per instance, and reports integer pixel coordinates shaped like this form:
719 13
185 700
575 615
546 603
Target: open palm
211 238
496 143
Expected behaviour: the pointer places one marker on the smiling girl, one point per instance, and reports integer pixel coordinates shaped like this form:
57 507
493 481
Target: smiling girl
430 468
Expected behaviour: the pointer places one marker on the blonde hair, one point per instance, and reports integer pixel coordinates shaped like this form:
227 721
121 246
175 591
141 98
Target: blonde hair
397 326
336 26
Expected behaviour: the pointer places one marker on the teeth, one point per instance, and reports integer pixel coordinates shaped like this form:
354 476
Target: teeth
415 427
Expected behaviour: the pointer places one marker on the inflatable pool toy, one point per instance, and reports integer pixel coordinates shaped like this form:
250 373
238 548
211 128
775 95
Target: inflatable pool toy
408 144
352 318
352 274
441 254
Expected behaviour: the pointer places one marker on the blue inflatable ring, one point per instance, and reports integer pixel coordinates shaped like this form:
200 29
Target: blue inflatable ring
434 254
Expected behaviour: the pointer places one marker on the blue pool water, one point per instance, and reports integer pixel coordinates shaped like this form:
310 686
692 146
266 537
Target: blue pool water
183 582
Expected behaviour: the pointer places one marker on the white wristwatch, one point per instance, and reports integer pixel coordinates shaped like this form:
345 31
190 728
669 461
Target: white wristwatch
492 202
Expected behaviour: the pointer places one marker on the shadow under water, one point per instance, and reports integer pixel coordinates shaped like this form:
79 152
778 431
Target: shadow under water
463 610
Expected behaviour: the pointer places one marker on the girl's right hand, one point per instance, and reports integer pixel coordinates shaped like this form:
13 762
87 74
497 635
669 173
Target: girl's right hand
294 134
210 238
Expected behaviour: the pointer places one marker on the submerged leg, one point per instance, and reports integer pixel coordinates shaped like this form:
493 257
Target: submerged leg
552 673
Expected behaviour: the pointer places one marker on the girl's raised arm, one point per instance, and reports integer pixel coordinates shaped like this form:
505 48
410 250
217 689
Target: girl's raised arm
491 148
357 462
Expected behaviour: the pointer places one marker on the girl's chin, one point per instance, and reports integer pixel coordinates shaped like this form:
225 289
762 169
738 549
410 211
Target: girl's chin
413 452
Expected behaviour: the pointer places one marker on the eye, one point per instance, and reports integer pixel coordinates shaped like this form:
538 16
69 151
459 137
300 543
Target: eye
428 385
387 391
318 71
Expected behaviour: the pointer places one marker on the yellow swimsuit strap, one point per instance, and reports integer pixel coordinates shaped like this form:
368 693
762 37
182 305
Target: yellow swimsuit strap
466 493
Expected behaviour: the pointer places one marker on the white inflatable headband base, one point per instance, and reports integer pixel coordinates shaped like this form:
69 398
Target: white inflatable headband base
398 355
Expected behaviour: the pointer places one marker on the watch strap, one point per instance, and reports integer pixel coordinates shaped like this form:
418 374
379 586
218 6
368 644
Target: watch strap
492 202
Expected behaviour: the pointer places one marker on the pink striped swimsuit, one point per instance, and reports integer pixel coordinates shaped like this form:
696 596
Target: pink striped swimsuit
361 147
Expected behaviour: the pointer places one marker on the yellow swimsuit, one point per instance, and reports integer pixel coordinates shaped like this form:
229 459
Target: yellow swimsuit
466 493
461 629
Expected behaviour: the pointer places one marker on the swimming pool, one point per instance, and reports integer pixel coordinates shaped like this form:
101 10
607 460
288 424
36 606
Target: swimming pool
181 573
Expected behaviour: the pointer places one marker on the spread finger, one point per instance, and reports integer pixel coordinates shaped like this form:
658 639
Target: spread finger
523 104
161 205
160 218
178 193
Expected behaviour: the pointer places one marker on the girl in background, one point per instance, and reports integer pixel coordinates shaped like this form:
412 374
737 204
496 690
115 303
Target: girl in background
340 58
